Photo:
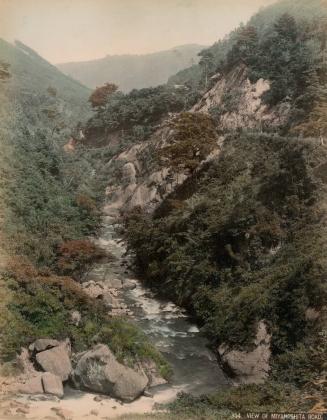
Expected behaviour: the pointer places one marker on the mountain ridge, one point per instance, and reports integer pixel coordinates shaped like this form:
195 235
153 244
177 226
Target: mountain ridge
133 71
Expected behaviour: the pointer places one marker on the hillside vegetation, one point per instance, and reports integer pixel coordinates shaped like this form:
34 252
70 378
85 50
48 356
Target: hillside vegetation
236 232
51 201
242 239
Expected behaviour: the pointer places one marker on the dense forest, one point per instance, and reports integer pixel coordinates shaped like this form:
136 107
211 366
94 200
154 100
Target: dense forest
242 239
52 201
238 240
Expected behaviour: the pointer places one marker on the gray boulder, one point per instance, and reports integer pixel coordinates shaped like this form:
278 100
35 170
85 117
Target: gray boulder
249 366
129 284
75 318
56 361
43 344
52 384
113 283
97 370
32 386
151 371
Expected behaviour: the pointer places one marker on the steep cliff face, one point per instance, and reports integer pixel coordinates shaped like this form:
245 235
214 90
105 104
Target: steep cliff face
231 237
140 179
237 103
245 245
238 238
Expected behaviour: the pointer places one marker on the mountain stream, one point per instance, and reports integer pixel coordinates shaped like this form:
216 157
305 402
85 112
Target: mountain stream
169 328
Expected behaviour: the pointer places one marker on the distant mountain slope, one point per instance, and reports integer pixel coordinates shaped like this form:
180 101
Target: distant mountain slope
33 85
40 108
133 71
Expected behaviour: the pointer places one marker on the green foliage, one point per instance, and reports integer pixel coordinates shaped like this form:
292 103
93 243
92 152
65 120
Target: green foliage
270 397
41 306
194 137
135 115
129 344
74 256
238 248
44 180
40 183
287 55
50 202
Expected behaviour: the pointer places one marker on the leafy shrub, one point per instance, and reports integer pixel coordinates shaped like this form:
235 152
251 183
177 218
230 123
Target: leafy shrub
41 306
194 137
135 115
75 255
101 94
269 397
45 180
87 203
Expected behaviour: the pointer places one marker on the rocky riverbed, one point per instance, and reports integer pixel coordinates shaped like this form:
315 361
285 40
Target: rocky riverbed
168 326
195 368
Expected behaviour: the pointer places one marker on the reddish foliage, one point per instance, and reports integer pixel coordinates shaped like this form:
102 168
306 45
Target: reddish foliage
74 255
86 203
26 275
100 96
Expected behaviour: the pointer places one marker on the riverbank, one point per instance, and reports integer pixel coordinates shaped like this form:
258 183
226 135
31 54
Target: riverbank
77 405
195 368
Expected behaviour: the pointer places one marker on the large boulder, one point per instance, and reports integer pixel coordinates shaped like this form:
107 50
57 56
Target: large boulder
249 367
32 386
75 318
43 344
151 371
43 383
56 360
97 370
129 173
52 384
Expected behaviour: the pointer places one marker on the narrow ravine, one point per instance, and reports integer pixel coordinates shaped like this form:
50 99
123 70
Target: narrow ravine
169 328
195 368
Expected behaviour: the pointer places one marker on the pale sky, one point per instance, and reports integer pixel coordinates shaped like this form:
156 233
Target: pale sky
75 30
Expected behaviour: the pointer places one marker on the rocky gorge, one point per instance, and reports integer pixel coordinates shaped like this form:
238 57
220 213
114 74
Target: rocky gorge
173 250
51 372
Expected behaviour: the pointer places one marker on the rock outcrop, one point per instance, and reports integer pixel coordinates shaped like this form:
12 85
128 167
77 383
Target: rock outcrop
52 384
249 366
140 180
43 383
55 360
238 103
75 318
151 371
43 344
98 370
32 386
